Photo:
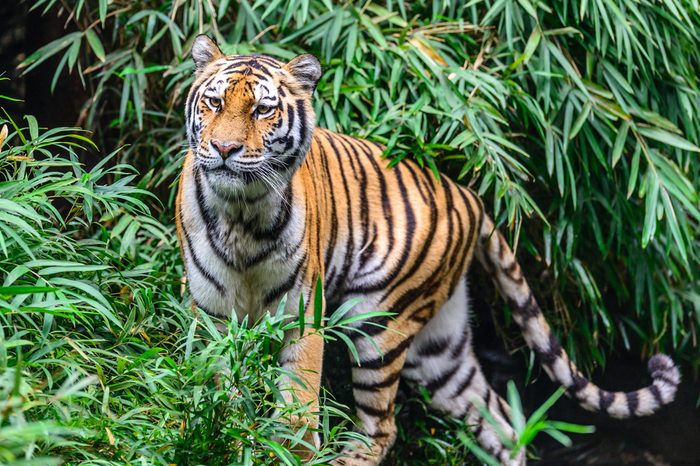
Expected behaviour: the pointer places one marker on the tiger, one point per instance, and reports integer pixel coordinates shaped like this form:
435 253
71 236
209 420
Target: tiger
270 205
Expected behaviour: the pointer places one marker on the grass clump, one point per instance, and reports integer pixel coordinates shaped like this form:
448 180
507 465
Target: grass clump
574 120
102 361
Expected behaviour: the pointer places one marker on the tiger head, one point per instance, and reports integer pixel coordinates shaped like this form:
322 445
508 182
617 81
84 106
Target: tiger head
250 118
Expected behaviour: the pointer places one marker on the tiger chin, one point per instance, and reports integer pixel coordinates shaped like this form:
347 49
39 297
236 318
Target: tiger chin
268 203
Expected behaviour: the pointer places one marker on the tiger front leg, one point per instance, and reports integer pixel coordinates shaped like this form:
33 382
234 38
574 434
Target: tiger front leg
302 360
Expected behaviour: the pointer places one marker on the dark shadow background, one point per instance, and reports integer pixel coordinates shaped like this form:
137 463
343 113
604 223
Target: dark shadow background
21 33
671 437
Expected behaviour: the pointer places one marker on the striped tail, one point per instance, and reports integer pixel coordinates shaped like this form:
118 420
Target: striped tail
498 260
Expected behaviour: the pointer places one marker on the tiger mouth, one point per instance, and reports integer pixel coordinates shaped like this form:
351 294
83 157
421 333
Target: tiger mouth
245 174
232 165
246 166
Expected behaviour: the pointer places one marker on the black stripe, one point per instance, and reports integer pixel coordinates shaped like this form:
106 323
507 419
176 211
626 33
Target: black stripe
663 378
282 218
578 382
388 357
374 412
209 222
380 176
212 226
470 238
364 201
290 123
390 278
267 59
437 383
376 386
503 408
407 298
284 359
251 261
458 237
434 347
605 399
416 318
190 112
349 249
656 393
198 265
467 243
294 157
243 67
549 356
375 144
410 227
510 271
529 310
632 402
464 384
334 220
418 181
463 340
245 70
288 138
276 293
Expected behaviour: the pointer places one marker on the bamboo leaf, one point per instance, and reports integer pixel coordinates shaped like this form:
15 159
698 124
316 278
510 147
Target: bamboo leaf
669 138
620 142
95 44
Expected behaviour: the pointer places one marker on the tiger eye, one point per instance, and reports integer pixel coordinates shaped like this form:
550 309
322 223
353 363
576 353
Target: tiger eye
215 102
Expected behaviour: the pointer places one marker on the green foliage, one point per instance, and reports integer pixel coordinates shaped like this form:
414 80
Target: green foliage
579 116
101 359
575 120
525 429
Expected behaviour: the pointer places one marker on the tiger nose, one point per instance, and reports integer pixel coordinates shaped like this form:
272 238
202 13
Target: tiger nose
226 148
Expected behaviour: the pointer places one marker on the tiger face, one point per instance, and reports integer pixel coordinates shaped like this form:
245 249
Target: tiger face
249 117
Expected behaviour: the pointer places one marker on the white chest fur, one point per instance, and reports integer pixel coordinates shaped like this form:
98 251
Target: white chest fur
234 257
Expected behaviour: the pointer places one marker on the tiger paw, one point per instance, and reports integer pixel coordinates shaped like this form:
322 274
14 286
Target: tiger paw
310 441
361 454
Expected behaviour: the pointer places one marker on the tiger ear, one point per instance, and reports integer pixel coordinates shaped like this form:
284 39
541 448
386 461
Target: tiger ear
204 51
306 69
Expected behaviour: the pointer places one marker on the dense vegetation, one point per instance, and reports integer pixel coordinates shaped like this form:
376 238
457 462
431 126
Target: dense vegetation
574 119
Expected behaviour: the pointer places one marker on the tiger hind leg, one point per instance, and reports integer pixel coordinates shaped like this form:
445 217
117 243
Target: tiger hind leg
441 359
493 433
